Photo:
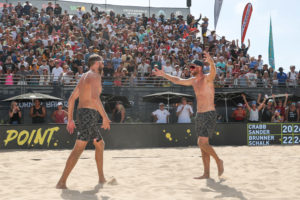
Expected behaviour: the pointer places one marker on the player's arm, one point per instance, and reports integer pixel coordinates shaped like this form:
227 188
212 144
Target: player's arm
173 79
212 74
71 101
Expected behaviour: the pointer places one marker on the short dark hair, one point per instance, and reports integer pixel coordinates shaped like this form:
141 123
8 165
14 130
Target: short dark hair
93 58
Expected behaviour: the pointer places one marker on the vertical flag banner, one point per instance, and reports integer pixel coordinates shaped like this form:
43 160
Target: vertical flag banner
245 20
218 5
271 47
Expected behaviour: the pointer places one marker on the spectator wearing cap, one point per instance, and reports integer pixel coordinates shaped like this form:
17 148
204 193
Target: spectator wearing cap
253 110
118 114
239 114
184 112
277 117
292 113
292 77
282 77
161 115
59 115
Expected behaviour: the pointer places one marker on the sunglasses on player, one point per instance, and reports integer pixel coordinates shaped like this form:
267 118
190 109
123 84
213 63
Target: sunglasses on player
192 67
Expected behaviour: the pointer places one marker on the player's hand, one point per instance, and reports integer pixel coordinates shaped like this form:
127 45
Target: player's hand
106 124
158 72
71 126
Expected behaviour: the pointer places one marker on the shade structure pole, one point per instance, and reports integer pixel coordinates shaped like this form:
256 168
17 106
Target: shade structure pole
226 109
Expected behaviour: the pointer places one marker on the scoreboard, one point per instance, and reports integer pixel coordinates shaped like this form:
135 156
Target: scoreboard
262 134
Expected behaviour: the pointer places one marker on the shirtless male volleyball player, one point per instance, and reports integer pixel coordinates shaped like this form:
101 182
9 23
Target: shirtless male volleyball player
206 114
88 90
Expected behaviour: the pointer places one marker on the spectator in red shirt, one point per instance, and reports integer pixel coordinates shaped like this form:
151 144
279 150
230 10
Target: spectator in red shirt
59 115
239 114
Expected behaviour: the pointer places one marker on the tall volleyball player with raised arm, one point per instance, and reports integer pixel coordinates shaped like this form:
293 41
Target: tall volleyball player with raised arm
203 85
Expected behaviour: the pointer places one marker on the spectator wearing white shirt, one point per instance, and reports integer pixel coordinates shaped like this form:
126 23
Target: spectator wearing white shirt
184 112
177 71
23 62
143 67
161 115
292 76
168 69
251 78
56 72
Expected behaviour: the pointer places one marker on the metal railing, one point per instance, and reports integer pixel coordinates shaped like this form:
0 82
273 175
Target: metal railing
151 81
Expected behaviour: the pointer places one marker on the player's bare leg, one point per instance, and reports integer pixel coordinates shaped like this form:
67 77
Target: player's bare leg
71 162
206 164
99 148
203 143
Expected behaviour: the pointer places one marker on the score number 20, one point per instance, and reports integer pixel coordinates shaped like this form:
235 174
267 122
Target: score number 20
290 129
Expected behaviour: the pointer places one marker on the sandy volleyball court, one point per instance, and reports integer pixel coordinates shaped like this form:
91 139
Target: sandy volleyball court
252 173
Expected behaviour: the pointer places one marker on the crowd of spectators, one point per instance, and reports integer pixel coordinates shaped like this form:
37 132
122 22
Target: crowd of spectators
267 110
50 46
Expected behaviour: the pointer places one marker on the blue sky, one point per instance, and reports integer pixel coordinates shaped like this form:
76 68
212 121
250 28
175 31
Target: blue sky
285 20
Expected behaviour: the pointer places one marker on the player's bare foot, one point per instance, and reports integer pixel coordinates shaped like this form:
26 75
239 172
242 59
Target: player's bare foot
102 180
220 167
202 177
61 185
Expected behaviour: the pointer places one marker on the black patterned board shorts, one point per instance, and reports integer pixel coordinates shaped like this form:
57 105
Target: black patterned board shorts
87 125
206 123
